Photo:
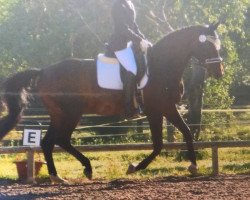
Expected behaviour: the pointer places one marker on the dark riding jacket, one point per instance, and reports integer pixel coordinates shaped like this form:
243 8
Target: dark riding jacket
125 27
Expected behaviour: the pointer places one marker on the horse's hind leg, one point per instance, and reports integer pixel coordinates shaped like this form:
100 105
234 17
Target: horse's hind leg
63 136
65 144
59 132
47 145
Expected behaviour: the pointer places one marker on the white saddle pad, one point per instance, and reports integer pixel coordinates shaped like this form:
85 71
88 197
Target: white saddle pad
108 74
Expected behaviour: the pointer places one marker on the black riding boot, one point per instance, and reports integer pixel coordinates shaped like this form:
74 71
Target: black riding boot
141 70
129 89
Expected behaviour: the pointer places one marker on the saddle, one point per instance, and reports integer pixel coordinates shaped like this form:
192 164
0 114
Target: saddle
109 76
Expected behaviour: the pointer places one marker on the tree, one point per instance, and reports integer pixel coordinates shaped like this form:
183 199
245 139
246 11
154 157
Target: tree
39 33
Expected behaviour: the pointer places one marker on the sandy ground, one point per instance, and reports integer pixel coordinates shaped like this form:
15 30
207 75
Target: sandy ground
220 187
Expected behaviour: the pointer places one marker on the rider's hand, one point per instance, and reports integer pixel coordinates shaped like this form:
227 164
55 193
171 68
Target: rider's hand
144 44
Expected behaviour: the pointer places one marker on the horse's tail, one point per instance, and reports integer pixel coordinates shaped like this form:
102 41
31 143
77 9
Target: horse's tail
14 97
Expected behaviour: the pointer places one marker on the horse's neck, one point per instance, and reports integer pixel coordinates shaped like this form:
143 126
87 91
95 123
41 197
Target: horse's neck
170 57
173 52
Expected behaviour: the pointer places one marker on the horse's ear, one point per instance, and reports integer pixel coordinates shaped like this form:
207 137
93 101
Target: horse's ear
214 26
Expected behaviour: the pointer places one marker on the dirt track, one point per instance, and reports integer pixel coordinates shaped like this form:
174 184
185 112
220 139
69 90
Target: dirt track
221 187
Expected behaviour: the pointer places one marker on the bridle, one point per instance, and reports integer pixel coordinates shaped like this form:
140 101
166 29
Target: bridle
216 42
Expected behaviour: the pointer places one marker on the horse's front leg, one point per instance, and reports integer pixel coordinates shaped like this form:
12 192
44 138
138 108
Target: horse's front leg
155 122
173 116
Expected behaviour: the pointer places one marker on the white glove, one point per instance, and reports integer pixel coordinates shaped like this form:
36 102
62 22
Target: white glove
144 44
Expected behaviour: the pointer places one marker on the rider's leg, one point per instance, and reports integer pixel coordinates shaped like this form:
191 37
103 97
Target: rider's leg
129 71
140 62
141 70
129 89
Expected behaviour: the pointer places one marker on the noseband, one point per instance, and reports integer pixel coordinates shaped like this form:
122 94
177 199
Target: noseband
213 60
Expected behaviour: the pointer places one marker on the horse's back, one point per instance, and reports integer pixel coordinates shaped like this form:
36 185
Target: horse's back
68 74
70 67
72 83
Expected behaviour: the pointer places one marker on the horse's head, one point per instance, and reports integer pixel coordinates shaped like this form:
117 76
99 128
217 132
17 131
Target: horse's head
206 50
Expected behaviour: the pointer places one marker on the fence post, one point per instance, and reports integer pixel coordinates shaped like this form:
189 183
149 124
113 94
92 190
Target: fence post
170 132
30 166
215 160
139 127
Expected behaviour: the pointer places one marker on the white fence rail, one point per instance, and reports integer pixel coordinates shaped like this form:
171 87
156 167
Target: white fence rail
127 147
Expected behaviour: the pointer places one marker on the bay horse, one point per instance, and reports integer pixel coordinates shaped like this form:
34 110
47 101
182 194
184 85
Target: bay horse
69 89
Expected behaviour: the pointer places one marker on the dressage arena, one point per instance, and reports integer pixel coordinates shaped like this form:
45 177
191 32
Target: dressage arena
218 187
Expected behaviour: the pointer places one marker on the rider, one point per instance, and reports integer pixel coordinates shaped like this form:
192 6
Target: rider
126 30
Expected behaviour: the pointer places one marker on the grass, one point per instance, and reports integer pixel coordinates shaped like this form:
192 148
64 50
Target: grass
113 165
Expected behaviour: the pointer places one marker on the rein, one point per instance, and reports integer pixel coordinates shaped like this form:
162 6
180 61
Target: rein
109 124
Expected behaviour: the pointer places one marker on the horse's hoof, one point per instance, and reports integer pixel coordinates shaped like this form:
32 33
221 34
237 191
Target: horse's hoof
88 173
57 180
131 169
193 169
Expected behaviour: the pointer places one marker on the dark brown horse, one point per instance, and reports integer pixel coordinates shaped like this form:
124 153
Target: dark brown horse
69 89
